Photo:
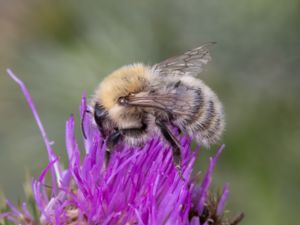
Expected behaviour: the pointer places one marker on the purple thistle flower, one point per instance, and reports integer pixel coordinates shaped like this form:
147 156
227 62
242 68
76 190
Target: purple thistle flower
139 185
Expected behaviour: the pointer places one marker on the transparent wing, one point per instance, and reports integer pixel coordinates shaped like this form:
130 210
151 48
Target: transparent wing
174 104
190 63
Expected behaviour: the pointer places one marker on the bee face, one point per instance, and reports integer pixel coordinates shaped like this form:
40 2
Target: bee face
105 125
137 101
122 82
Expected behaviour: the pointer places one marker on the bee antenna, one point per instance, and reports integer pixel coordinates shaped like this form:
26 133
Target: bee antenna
82 122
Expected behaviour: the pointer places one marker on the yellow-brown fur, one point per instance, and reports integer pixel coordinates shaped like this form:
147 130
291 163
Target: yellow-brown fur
121 82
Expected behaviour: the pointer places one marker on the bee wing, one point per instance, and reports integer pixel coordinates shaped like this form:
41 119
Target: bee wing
190 63
170 103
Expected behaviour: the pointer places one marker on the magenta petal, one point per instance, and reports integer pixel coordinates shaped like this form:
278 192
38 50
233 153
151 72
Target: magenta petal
45 171
31 104
207 181
139 185
223 199
10 217
4 215
13 208
195 221
71 144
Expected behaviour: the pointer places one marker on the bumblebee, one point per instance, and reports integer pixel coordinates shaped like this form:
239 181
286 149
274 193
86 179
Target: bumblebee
136 102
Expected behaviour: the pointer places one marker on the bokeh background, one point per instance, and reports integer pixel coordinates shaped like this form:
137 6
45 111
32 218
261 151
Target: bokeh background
61 48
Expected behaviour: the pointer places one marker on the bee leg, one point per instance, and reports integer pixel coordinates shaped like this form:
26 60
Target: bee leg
177 129
112 141
174 144
82 122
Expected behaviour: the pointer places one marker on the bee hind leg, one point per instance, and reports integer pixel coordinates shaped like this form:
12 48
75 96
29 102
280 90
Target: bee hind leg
174 144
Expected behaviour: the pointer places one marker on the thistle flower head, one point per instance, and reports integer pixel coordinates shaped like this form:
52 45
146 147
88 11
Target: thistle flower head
139 185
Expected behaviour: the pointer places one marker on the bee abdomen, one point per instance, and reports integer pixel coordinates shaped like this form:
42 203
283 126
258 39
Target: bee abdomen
204 119
197 106
208 124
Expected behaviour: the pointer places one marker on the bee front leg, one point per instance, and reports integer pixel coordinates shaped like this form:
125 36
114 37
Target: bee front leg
112 140
174 144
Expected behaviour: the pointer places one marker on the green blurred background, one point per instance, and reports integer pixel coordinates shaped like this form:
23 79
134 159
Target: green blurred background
61 48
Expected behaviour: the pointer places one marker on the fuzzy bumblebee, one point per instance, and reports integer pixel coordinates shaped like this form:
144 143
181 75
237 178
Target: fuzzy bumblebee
137 101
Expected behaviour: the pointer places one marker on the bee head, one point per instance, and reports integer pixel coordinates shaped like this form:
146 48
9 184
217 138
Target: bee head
114 89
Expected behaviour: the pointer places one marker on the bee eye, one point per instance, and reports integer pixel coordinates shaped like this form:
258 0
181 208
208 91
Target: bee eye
122 100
